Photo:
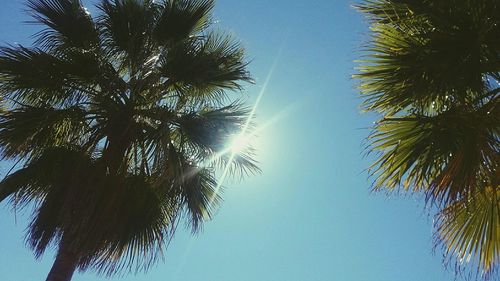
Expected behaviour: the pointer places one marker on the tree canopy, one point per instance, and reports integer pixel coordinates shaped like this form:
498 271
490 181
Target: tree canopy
120 122
432 73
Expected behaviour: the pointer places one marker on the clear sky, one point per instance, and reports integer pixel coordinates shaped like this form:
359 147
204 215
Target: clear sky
310 216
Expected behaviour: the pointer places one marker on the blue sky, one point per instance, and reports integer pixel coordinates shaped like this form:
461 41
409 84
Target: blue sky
310 216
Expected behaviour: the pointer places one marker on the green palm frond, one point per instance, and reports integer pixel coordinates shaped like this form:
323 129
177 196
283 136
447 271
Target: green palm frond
126 26
210 132
444 156
19 77
407 66
432 70
204 69
181 18
34 77
469 230
211 129
34 180
200 195
68 24
30 130
140 221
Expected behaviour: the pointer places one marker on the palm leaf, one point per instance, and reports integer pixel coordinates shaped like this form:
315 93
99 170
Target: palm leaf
431 69
444 155
469 230
68 24
204 69
34 77
140 223
407 63
125 26
209 133
199 194
30 131
181 18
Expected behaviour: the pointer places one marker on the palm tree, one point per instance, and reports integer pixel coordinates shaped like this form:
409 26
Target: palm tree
432 72
120 122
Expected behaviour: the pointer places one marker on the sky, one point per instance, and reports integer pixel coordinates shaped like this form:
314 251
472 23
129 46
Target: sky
310 215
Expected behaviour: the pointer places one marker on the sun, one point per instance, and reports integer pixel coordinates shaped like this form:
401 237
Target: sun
239 143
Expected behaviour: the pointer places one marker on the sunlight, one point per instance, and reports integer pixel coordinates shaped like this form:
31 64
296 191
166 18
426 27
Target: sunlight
239 143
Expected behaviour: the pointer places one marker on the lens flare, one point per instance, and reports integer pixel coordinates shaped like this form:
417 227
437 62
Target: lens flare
239 143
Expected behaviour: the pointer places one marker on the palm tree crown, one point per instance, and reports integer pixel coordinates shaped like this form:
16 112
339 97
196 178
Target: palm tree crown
432 71
120 122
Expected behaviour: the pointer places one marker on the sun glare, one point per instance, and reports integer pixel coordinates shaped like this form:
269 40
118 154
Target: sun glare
239 143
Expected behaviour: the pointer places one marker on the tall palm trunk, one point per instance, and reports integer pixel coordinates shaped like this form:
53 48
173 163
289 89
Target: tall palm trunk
65 264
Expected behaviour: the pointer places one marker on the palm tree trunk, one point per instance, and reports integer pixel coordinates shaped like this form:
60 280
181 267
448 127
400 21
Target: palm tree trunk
65 264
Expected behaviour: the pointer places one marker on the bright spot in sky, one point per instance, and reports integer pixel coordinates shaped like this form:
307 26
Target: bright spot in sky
239 143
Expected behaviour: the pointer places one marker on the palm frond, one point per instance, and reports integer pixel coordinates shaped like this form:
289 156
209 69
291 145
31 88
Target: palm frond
212 129
189 184
204 69
444 156
179 19
34 77
199 194
31 130
68 24
146 217
16 182
52 185
139 227
33 180
76 206
40 181
469 230
126 26
207 134
239 164
407 63
432 70
30 74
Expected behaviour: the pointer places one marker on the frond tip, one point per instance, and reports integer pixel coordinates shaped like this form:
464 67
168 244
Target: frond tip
67 24
180 19
469 230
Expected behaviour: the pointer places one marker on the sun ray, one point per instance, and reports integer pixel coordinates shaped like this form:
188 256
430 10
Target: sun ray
247 124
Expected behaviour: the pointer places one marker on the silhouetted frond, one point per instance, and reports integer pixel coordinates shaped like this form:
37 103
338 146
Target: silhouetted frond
204 69
37 78
138 228
30 130
181 18
68 24
209 133
126 26
212 129
199 194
